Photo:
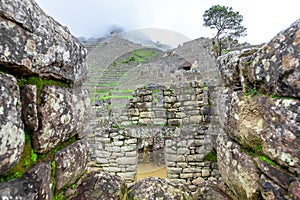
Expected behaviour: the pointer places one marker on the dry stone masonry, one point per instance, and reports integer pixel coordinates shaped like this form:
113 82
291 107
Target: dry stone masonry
183 111
42 115
173 122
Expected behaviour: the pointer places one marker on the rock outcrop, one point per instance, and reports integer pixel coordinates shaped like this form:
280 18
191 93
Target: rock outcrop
12 135
258 155
33 43
42 114
97 185
156 188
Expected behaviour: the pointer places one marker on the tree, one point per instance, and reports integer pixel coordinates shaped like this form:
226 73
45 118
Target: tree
226 22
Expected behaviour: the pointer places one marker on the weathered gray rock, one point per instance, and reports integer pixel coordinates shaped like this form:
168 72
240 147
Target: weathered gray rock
29 107
71 163
281 178
153 188
271 190
294 190
276 65
104 186
237 169
33 43
62 114
34 184
257 121
12 137
211 190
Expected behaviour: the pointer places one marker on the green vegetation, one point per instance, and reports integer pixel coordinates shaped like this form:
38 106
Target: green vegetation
27 160
251 90
227 24
253 147
211 156
138 56
205 88
155 91
40 83
114 97
267 160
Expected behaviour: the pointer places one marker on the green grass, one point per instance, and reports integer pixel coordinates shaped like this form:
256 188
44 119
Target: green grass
114 97
27 160
211 156
267 160
205 88
40 83
124 91
137 56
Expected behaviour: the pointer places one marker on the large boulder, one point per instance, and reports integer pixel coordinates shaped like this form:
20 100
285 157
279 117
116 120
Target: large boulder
268 125
237 169
34 184
62 114
12 137
71 163
156 188
259 113
98 185
276 65
33 43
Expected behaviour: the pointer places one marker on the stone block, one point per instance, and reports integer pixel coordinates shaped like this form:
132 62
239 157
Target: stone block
104 186
101 160
183 151
147 115
127 161
160 114
12 135
180 158
145 106
133 112
112 169
205 172
182 165
62 114
145 121
186 175
237 169
174 122
196 119
129 148
29 107
196 157
34 184
159 121
173 170
71 163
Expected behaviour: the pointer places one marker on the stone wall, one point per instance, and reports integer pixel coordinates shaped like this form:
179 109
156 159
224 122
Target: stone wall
174 121
42 113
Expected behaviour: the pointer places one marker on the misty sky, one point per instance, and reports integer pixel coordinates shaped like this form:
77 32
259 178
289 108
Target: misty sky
91 18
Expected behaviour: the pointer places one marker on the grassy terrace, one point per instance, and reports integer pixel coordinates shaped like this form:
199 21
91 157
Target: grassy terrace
104 83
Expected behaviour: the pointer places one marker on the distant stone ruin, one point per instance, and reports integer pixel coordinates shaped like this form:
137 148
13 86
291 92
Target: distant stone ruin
169 120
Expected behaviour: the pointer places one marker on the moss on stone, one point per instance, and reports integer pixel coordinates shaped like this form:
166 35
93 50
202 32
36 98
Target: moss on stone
211 156
40 83
27 160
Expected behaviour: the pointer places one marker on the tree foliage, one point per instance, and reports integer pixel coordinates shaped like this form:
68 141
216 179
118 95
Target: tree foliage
227 23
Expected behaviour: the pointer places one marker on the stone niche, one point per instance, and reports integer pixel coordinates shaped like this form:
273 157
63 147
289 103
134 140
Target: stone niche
167 126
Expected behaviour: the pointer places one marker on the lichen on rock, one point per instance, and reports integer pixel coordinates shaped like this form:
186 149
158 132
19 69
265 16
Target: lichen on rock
12 137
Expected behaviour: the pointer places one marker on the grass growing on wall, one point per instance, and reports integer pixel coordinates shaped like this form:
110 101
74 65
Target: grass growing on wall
211 156
40 83
27 160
